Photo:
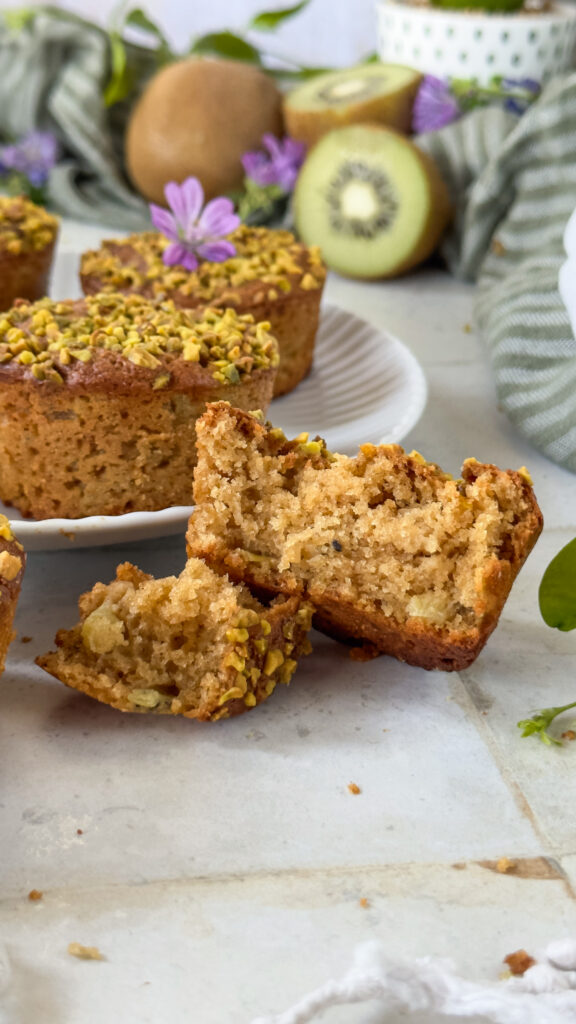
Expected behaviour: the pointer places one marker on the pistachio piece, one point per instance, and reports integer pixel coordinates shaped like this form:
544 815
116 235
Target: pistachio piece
145 698
102 630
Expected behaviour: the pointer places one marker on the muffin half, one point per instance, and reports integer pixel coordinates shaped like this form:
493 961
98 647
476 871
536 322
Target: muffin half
193 645
395 555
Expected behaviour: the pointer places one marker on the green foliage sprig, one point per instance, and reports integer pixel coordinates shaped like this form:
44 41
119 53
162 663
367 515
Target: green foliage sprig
557 600
225 44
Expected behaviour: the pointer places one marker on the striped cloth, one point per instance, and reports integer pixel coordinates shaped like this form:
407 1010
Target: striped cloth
53 72
514 185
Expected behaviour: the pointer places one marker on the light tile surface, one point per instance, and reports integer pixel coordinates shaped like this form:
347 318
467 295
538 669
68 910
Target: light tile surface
219 868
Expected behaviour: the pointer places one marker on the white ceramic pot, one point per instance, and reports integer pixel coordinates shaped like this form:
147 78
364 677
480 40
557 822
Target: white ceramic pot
473 44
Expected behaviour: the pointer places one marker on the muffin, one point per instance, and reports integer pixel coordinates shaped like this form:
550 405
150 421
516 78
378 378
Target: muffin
193 645
272 276
396 556
99 398
27 239
12 562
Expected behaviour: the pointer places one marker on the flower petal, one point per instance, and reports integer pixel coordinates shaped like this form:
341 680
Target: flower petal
178 254
190 261
164 222
251 162
185 201
218 218
216 252
193 195
272 144
294 151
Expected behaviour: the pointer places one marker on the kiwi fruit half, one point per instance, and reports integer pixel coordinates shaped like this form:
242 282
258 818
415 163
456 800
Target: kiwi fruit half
198 117
370 93
374 203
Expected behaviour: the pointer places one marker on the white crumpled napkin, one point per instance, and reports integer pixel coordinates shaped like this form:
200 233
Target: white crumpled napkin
545 994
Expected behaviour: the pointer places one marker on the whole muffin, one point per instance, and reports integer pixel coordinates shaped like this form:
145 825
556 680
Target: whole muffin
272 276
99 399
27 239
12 562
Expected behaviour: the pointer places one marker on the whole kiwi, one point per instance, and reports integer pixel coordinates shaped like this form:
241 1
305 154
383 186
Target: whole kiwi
198 117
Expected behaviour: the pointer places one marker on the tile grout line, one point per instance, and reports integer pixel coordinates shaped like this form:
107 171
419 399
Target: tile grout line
510 781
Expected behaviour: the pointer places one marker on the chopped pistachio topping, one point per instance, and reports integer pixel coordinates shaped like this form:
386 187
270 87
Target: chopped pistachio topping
233 694
24 227
274 258
5 529
274 659
45 336
10 565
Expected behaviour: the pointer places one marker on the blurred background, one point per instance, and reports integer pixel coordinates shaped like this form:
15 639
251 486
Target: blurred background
330 32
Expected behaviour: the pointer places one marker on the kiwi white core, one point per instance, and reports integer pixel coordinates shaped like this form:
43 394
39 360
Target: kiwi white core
350 85
358 201
347 90
364 197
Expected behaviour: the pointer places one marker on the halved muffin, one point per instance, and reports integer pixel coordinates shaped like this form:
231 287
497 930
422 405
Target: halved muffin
193 645
273 277
395 555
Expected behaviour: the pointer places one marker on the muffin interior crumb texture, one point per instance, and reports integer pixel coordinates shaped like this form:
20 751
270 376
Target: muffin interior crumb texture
195 644
385 533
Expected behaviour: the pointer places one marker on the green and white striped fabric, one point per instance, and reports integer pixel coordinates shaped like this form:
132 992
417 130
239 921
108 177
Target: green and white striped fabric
53 72
514 184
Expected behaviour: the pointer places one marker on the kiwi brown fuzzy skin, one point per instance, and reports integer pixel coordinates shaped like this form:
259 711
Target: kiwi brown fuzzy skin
439 216
198 116
393 110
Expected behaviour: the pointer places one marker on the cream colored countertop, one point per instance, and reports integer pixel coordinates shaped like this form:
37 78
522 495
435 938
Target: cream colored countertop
219 868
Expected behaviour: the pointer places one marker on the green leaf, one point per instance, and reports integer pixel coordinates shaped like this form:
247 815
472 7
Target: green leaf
19 18
226 44
267 21
540 722
120 81
137 18
557 593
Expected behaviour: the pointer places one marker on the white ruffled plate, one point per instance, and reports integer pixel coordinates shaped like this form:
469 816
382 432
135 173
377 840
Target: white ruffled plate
365 386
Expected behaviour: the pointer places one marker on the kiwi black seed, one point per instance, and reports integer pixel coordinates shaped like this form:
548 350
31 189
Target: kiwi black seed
374 203
368 94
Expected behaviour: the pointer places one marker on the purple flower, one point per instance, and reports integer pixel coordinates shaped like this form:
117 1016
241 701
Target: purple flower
434 106
526 84
34 156
279 165
195 233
